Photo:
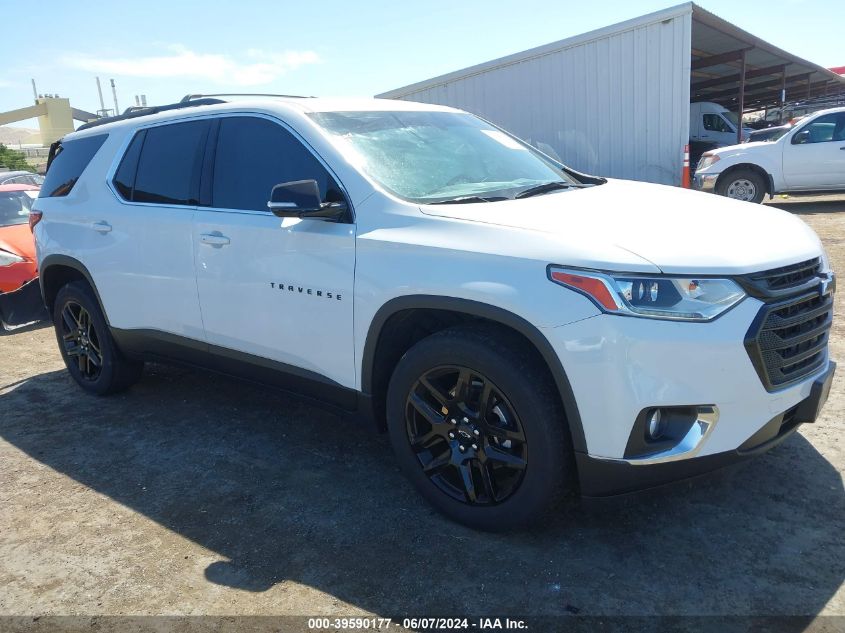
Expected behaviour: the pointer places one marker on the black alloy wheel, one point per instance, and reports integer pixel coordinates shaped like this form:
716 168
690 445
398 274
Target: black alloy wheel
466 435
461 407
86 344
80 340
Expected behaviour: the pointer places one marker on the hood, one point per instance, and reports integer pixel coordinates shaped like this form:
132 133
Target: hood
18 239
741 148
677 230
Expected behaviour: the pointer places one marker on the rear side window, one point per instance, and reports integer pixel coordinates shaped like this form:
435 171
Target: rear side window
70 160
254 155
169 163
124 179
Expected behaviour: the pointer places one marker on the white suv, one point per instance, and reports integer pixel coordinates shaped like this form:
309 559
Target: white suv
521 330
808 158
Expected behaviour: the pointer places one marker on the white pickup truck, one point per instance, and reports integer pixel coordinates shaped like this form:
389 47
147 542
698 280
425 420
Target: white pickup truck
808 158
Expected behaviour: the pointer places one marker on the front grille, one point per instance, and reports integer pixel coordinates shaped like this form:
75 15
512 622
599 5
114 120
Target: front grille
788 339
784 280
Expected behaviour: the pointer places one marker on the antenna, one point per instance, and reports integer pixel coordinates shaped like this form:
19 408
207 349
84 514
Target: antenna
34 91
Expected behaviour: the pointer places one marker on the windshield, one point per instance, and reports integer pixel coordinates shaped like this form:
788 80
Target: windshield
14 207
431 157
773 135
730 116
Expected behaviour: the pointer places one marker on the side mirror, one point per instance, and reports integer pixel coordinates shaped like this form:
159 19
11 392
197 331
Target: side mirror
802 137
301 199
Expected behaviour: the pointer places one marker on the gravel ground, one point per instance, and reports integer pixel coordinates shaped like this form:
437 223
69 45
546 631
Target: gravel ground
197 494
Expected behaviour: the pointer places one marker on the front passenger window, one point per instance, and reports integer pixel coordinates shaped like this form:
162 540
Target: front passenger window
830 127
255 154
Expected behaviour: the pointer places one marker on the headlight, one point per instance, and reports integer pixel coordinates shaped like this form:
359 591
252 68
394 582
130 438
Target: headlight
7 258
707 159
657 297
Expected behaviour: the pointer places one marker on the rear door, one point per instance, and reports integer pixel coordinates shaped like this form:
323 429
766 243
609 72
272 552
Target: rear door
814 155
270 288
147 278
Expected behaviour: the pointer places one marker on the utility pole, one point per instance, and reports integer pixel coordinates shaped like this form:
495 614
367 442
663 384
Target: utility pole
114 94
102 103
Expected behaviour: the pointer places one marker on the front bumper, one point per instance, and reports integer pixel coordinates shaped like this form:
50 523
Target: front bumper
705 182
608 477
619 367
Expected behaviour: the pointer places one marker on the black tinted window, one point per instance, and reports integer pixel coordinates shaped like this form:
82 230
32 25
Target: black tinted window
169 165
71 159
254 155
124 179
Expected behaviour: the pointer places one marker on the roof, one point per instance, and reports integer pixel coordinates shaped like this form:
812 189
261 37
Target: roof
717 50
193 105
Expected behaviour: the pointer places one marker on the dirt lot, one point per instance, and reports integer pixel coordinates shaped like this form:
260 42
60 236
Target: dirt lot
197 494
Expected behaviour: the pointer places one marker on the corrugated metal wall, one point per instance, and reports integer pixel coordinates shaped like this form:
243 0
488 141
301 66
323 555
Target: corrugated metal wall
615 105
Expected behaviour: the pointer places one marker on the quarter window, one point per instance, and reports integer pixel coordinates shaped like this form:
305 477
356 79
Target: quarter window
169 164
70 160
124 179
253 155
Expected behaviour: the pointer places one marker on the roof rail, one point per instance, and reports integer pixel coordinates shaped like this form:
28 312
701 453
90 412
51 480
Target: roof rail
139 111
190 98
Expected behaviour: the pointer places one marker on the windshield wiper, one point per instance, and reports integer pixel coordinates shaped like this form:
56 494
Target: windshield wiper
469 200
546 187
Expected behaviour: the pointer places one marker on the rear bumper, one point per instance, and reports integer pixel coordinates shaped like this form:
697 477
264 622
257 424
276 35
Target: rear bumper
602 477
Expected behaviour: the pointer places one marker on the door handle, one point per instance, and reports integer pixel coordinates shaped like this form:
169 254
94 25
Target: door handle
842 148
214 239
101 227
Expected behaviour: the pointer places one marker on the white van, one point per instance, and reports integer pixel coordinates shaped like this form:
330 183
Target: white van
711 123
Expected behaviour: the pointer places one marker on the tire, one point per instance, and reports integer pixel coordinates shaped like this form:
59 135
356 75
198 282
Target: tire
742 184
86 345
522 443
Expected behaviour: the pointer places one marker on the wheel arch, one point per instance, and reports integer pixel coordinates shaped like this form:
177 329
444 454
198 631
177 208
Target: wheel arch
450 311
59 270
767 177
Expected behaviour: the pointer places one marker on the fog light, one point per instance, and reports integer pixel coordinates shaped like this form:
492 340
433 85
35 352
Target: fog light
656 425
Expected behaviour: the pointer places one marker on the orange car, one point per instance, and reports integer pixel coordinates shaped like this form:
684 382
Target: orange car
20 296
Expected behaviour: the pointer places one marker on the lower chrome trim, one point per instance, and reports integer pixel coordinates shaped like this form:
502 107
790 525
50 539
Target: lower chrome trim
688 447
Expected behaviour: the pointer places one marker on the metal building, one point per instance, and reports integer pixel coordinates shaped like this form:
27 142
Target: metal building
615 101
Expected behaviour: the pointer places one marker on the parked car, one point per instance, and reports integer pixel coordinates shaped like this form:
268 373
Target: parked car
20 300
768 134
809 157
522 330
20 178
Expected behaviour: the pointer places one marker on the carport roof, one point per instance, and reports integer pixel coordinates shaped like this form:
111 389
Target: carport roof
717 49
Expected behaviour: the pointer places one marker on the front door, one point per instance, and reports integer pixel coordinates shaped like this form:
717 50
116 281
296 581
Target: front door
270 288
814 156
715 129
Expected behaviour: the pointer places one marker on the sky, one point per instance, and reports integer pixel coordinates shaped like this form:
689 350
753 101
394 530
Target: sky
323 47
